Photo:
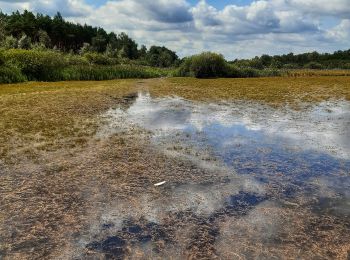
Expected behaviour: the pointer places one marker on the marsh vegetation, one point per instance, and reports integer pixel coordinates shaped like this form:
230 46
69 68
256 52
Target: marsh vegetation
247 168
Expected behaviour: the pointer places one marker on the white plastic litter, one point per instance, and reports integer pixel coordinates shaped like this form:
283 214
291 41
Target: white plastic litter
160 183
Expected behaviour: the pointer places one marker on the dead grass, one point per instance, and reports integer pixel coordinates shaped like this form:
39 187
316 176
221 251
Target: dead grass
274 232
315 73
47 116
273 91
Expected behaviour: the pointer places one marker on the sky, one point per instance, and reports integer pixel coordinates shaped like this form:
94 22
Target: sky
235 28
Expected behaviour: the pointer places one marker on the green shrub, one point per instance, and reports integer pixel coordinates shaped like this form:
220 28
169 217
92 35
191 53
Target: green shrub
36 65
249 73
10 42
314 66
2 58
11 75
207 65
232 71
185 68
216 66
24 42
95 58
72 59
290 66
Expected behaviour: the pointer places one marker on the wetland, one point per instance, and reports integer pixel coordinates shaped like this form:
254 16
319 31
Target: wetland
250 168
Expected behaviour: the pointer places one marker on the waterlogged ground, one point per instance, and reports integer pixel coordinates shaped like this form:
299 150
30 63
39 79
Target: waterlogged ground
244 178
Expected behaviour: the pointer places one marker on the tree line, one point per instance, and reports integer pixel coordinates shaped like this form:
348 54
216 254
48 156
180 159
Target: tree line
312 60
29 31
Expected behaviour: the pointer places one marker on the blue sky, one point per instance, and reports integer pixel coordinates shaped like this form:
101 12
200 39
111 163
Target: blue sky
235 28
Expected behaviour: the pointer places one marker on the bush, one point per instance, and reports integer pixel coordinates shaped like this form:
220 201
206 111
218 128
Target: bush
290 66
232 71
185 68
36 65
24 42
11 75
214 67
314 66
72 59
207 65
95 58
10 42
2 58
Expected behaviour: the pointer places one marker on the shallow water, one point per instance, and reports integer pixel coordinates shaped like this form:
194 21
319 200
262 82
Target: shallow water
262 159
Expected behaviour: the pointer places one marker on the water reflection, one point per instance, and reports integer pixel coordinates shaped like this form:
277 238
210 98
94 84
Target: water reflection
260 157
250 138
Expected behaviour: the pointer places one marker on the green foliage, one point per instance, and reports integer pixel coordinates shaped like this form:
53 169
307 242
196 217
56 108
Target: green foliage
24 42
160 57
110 51
143 52
290 66
110 72
127 46
44 38
2 29
2 58
10 42
11 75
85 48
222 69
336 60
36 65
313 65
65 36
72 59
185 68
99 42
276 64
256 63
95 58
205 65
17 65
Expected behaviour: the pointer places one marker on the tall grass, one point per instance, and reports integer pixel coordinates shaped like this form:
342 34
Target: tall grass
110 72
40 65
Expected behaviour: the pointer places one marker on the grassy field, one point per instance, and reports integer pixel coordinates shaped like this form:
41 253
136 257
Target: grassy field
315 73
51 114
57 177
273 91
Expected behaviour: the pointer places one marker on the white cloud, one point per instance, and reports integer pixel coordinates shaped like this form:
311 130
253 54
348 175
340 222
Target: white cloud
274 26
323 7
341 32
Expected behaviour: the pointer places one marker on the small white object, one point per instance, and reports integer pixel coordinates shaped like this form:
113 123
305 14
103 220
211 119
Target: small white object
160 183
